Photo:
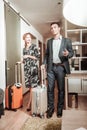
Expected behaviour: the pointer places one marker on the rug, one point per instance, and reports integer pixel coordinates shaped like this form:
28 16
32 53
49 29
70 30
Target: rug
36 123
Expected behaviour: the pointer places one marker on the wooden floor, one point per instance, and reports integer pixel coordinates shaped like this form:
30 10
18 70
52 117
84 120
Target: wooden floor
74 119
14 120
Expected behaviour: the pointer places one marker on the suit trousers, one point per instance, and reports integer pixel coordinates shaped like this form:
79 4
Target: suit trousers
57 73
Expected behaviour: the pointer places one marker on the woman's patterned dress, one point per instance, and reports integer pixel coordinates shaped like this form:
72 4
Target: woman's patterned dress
31 66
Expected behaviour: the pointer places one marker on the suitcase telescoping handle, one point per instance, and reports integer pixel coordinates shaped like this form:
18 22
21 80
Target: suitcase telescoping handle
43 76
18 74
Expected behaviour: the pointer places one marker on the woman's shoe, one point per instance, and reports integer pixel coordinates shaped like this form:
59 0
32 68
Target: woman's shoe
28 109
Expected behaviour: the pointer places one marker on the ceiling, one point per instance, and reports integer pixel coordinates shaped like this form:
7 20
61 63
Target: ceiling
39 13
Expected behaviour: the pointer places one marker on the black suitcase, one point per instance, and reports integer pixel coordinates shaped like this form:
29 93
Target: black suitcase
1 102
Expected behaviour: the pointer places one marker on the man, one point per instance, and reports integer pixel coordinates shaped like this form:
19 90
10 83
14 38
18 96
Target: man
59 50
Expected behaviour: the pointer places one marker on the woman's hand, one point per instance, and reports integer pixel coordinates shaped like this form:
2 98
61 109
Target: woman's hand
32 57
29 56
25 56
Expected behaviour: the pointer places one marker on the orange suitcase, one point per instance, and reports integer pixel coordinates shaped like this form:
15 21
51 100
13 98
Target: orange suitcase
13 93
13 96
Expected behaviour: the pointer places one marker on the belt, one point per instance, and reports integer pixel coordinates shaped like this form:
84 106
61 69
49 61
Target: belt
58 64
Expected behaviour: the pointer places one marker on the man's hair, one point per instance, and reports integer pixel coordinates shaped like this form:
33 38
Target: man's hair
58 23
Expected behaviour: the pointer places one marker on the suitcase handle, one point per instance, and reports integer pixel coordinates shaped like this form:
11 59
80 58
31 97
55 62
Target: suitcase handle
18 85
18 72
43 76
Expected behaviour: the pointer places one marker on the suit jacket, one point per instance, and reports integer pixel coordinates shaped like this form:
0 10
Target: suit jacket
48 60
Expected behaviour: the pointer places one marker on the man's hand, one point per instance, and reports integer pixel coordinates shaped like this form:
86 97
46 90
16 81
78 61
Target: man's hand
65 52
42 66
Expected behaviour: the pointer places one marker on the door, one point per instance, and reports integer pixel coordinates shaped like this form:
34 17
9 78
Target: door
13 45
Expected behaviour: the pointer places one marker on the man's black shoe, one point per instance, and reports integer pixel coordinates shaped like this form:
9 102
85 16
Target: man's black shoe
50 113
59 115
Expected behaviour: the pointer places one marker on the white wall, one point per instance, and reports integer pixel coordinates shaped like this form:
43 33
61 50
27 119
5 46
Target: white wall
2 46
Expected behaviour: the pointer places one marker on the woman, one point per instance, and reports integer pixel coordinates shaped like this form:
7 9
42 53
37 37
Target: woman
30 58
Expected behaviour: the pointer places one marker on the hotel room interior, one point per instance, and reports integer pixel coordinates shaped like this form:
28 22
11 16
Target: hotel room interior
35 16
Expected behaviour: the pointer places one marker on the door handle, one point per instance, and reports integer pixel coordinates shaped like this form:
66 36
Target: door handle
8 68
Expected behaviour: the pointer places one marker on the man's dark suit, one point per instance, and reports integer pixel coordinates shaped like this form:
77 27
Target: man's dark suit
57 72
66 44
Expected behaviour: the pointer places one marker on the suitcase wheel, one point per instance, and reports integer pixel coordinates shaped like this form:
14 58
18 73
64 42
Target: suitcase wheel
14 110
39 115
9 109
33 115
42 116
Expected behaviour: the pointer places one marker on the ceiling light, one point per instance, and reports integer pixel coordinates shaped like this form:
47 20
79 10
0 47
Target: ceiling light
75 11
